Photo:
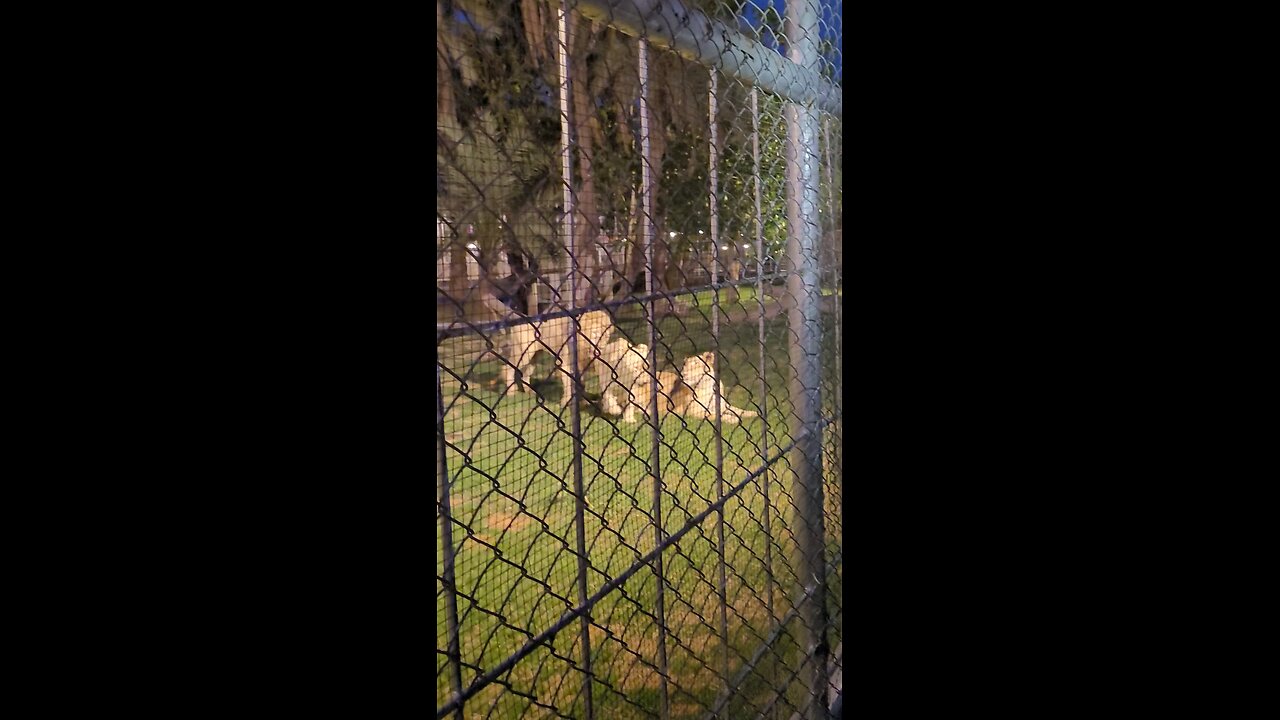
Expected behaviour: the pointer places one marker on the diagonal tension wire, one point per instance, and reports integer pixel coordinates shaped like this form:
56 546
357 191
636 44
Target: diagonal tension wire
608 587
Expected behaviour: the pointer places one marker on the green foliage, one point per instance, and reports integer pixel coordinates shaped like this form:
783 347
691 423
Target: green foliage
499 144
495 151
737 186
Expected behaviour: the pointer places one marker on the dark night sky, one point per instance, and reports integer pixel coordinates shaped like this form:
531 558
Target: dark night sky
830 24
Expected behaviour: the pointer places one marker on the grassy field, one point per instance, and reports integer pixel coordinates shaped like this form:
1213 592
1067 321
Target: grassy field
510 462
746 296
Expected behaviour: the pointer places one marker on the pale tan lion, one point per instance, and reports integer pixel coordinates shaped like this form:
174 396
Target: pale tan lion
630 364
634 385
691 393
552 336
700 383
673 396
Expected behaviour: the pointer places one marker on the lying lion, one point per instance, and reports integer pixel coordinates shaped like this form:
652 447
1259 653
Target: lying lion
691 393
525 341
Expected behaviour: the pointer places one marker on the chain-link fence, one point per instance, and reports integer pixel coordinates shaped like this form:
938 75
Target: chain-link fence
638 378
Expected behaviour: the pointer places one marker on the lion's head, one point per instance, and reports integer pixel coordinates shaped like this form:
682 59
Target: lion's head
700 366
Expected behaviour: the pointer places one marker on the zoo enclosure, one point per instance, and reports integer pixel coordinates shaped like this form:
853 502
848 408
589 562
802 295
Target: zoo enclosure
677 566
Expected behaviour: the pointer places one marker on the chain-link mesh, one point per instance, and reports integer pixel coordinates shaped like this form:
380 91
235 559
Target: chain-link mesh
639 339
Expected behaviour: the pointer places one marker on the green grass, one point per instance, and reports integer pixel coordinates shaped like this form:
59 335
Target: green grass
512 497
746 296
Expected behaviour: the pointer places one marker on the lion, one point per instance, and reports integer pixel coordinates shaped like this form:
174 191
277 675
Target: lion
690 393
629 363
526 340
673 396
698 396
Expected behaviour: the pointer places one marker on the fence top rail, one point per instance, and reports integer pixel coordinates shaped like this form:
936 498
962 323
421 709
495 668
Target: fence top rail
670 24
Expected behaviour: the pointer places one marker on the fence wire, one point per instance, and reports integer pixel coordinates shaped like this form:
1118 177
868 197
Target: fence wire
639 271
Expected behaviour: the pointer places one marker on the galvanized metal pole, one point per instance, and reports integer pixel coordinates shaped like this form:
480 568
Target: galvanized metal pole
651 314
579 519
448 580
804 235
714 208
764 384
833 221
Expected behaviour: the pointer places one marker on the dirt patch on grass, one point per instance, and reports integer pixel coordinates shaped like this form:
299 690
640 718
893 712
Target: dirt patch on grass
499 520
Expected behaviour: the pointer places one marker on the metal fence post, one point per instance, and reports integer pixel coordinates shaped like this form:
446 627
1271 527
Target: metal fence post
803 283
651 315
448 577
836 284
764 384
566 133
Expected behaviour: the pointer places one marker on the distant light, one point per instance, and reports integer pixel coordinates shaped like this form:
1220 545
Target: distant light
745 246
672 233
724 247
700 232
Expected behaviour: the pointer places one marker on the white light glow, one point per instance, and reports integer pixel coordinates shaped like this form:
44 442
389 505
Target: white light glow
473 246
672 233
724 247
745 246
700 232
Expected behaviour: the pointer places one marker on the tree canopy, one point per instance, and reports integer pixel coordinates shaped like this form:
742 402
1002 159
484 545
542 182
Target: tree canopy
498 140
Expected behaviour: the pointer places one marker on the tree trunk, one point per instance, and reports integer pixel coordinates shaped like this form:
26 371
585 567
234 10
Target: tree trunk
445 113
635 253
582 120
458 280
661 250
635 268
491 289
673 276
515 260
